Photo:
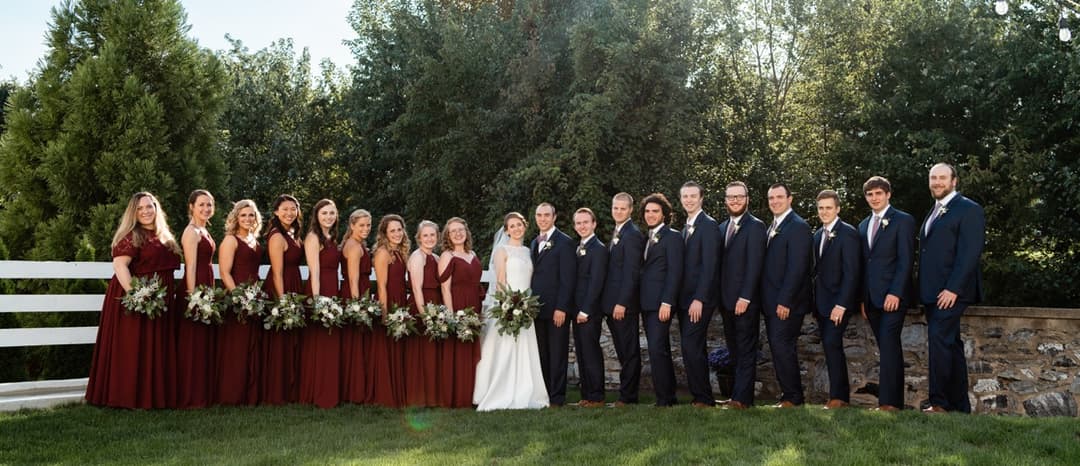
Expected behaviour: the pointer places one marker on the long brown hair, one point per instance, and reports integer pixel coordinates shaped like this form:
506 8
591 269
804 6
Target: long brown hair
316 227
381 241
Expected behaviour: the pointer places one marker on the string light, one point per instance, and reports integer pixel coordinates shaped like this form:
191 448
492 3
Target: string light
1001 7
1064 34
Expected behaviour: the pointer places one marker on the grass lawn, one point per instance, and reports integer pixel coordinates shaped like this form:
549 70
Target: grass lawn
630 436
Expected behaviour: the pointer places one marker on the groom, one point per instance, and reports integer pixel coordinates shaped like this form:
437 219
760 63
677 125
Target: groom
554 269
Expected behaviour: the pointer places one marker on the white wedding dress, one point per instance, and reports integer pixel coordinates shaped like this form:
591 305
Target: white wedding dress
508 375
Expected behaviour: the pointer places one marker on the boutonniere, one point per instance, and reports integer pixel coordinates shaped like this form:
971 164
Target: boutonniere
832 235
690 229
615 240
884 223
581 250
944 210
655 237
737 227
545 245
773 233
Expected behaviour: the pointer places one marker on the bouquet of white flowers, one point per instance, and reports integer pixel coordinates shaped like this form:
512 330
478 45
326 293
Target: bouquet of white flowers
206 304
364 311
146 296
438 321
467 324
287 313
327 311
247 300
399 323
514 310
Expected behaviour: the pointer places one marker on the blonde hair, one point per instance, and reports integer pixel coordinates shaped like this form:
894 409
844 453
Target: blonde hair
424 224
129 224
381 240
232 221
357 215
447 244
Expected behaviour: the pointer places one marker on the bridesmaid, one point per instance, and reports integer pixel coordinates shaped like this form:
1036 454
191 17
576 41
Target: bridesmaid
460 270
421 353
195 340
320 367
129 361
391 247
278 382
238 342
356 341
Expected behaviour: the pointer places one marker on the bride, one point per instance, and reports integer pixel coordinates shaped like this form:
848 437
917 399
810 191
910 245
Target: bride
508 375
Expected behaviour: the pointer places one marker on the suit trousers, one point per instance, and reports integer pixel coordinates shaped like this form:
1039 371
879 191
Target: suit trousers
741 333
658 335
948 366
887 328
783 343
590 358
832 341
695 354
554 343
626 337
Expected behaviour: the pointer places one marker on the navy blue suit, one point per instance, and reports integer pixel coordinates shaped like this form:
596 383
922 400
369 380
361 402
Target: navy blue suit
949 258
621 288
887 267
699 283
592 261
836 283
660 276
554 269
785 281
740 274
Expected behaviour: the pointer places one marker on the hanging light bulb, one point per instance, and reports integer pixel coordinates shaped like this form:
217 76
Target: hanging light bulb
1064 34
1001 7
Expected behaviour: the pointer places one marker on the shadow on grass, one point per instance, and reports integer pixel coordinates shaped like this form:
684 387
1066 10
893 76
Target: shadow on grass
629 436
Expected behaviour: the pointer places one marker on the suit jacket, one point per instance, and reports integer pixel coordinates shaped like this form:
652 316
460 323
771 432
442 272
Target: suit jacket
700 263
837 269
887 266
624 269
786 277
741 261
949 255
661 271
591 267
553 274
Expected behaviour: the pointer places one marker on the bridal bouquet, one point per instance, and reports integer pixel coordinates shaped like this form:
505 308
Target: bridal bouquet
363 311
514 310
147 296
247 300
399 323
286 314
438 321
206 304
327 311
467 324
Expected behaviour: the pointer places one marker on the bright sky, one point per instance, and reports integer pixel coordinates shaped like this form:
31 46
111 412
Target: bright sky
319 25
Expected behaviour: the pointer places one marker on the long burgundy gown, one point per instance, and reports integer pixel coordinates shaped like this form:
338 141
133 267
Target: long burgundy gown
355 340
238 355
280 352
130 356
320 357
466 292
195 340
387 358
421 353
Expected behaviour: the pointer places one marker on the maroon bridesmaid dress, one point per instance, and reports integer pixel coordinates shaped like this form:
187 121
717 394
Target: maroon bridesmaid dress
421 353
280 351
238 355
465 290
387 358
356 340
195 340
131 354
320 360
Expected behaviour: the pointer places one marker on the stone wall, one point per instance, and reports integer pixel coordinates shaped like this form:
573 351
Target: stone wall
1021 361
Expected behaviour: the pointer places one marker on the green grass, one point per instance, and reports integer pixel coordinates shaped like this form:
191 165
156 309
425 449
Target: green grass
639 435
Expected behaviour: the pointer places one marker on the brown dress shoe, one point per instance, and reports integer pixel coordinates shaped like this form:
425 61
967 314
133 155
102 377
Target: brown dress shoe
784 405
736 405
887 408
934 409
835 404
698 404
590 404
